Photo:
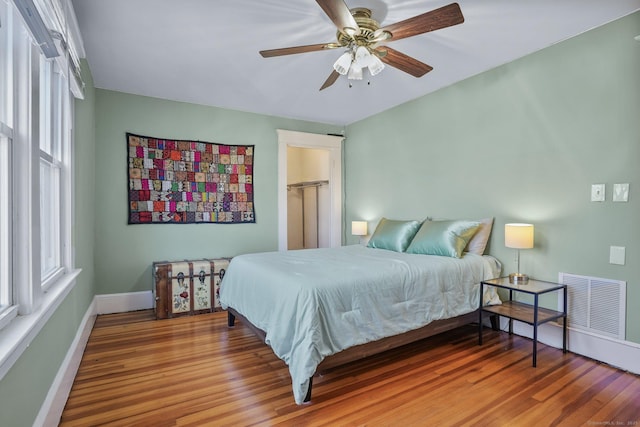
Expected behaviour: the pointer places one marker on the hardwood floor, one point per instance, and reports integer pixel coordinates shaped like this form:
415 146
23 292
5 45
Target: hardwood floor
194 371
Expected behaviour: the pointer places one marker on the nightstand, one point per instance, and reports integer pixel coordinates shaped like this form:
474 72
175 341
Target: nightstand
531 314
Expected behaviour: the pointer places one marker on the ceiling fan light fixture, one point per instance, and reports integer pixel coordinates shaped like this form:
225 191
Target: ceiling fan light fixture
361 35
375 65
343 63
362 57
355 72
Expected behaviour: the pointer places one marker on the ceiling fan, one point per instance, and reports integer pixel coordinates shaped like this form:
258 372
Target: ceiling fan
362 37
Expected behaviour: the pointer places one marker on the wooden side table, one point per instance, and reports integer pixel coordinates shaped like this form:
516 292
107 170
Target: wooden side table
531 314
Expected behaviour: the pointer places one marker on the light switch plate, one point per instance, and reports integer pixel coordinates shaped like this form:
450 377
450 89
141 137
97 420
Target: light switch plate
620 192
597 192
617 255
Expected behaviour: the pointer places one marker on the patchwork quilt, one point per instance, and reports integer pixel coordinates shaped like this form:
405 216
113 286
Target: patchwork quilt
176 181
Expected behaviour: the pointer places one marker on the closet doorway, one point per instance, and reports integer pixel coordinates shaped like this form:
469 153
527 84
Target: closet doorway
309 190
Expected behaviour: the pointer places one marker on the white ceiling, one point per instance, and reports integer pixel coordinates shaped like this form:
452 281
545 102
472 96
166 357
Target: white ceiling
206 51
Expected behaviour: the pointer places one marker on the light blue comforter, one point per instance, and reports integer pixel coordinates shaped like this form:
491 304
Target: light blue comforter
316 302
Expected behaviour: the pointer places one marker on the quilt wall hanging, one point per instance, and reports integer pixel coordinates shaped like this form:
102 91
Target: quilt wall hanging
185 182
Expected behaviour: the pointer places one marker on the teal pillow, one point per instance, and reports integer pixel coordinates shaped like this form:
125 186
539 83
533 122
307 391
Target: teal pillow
393 235
446 238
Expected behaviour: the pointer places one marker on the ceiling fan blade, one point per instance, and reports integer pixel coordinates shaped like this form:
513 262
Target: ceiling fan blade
340 15
402 62
298 49
330 80
436 19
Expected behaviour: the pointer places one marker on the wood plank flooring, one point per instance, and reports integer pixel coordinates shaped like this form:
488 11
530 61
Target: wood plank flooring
195 371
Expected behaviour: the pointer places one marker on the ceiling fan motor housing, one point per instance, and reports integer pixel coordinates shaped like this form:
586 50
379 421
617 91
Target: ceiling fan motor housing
367 26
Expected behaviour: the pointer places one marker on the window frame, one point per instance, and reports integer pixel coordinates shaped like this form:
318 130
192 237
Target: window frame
31 299
8 310
54 140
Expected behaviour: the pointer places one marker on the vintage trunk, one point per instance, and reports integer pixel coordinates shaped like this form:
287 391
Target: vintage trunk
187 287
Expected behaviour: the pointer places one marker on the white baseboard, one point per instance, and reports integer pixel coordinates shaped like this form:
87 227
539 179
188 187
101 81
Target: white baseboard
121 303
621 354
53 405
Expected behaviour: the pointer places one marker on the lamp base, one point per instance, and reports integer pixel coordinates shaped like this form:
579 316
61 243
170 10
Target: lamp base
518 278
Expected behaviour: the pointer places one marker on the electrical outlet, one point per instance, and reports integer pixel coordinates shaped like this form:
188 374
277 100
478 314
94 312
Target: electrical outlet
597 192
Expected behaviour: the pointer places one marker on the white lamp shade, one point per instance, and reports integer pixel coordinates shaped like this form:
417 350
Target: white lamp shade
355 73
518 236
362 57
343 63
376 65
359 228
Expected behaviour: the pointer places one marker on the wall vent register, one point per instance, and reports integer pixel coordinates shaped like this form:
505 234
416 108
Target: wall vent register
595 305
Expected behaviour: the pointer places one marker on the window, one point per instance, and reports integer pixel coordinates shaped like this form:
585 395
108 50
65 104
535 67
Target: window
5 214
36 188
35 168
7 311
6 294
53 112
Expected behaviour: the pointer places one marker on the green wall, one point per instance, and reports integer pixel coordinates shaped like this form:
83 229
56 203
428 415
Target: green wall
124 253
24 388
523 143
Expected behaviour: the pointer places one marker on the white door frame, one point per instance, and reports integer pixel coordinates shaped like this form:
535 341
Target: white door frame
288 138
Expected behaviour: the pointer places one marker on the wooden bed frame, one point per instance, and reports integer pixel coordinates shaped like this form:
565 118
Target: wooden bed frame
364 350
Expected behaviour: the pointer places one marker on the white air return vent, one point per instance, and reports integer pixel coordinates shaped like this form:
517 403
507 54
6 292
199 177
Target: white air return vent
595 305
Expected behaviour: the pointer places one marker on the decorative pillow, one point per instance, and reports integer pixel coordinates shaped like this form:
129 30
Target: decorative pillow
393 235
446 238
478 242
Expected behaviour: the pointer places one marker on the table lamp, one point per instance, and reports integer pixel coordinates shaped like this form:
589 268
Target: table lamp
518 236
359 228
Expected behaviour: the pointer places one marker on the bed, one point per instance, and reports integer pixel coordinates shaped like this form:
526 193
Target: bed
318 308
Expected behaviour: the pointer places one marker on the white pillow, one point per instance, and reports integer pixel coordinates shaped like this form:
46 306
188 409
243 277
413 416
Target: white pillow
478 242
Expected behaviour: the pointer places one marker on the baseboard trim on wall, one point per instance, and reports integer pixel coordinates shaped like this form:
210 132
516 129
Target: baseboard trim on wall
121 303
53 405
612 351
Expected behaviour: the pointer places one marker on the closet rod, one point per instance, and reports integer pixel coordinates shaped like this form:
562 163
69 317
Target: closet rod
307 184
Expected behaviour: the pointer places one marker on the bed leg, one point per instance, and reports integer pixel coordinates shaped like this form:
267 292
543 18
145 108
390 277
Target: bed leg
231 319
494 322
307 398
